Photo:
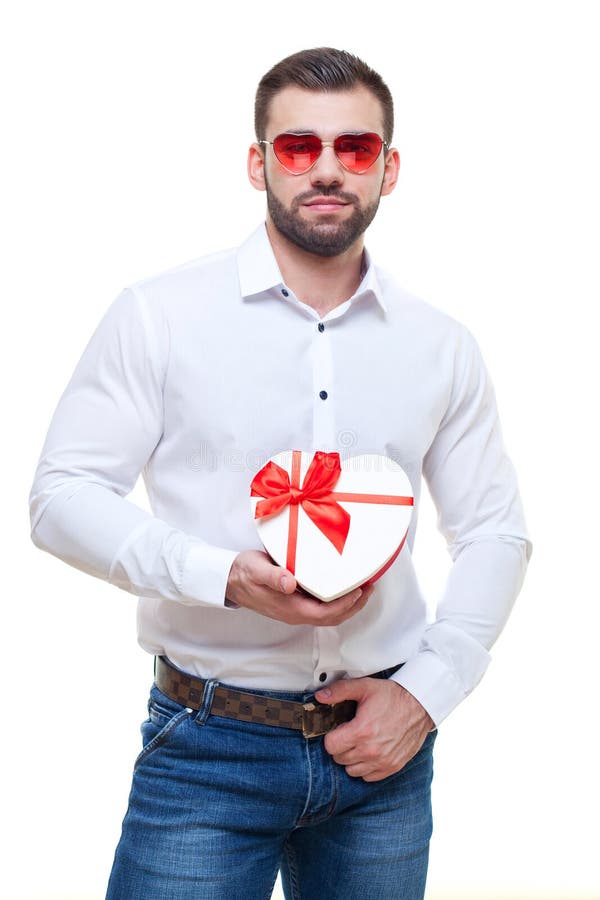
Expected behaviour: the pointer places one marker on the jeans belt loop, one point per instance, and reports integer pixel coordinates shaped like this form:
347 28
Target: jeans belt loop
207 700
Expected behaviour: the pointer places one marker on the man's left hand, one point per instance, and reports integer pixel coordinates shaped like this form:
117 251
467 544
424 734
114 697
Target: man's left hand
389 727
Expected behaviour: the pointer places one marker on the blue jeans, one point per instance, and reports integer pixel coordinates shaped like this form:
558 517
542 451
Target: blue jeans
218 806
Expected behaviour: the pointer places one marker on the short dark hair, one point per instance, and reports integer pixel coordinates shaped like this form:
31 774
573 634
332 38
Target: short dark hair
321 69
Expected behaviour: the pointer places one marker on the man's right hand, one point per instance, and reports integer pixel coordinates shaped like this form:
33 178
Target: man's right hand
256 583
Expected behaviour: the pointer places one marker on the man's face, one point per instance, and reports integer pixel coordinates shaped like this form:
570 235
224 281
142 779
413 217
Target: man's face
327 209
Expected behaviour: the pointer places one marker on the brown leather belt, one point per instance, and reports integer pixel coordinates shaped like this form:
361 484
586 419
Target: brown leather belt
312 719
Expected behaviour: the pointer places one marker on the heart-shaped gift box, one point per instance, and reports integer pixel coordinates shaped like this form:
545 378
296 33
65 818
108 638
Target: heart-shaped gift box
335 524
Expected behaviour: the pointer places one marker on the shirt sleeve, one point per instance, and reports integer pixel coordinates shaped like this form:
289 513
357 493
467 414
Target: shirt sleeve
104 430
474 487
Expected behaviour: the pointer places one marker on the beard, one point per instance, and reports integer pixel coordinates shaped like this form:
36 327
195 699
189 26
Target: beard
327 237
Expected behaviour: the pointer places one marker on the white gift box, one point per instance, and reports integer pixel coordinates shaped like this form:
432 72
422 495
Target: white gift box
335 524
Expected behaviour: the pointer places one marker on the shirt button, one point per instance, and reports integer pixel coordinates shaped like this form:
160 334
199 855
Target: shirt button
285 293
323 395
321 327
323 676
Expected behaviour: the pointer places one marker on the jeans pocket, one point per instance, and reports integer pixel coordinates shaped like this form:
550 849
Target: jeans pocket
164 716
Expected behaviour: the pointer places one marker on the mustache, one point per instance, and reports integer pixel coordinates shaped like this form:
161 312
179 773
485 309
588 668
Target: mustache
323 192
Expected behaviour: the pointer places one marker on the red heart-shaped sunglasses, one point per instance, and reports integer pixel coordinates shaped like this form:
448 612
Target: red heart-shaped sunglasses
298 153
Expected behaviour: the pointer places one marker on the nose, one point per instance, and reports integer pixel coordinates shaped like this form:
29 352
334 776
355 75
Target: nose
327 170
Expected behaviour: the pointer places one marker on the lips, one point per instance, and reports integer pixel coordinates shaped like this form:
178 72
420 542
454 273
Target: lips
326 204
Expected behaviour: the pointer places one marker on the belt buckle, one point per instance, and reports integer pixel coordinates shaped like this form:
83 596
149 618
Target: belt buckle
323 712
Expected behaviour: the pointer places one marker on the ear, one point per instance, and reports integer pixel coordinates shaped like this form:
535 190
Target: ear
391 171
256 167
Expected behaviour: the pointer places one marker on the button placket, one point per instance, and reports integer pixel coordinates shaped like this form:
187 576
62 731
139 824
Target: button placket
323 405
326 653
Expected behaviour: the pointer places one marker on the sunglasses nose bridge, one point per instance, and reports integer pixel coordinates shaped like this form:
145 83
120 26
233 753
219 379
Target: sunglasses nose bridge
327 161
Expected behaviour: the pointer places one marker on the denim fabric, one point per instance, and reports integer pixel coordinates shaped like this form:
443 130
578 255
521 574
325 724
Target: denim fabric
218 806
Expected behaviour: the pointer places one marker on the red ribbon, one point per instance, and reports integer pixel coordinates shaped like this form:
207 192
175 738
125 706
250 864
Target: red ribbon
316 497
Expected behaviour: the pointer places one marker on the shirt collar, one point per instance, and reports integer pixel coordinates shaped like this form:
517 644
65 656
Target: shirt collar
257 267
260 276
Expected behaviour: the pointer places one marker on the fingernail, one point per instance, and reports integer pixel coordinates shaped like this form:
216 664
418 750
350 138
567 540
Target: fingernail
283 582
326 693
358 595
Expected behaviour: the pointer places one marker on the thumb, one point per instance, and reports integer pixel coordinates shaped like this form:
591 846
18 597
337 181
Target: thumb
265 571
283 581
345 689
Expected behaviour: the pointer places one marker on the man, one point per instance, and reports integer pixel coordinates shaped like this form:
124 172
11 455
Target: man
284 732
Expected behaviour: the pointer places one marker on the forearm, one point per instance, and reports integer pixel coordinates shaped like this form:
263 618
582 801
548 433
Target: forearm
480 592
99 532
474 487
107 424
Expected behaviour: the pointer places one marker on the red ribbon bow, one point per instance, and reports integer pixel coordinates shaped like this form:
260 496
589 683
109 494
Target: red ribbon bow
316 497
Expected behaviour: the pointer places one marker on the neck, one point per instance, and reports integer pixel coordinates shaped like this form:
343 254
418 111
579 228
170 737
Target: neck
322 282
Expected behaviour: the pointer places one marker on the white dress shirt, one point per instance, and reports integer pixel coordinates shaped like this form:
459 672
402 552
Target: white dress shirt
195 378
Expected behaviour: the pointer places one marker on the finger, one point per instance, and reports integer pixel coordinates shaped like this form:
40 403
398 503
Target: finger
299 609
349 757
366 589
294 609
346 607
332 612
275 577
356 606
287 582
376 774
366 773
342 740
344 689
343 608
318 612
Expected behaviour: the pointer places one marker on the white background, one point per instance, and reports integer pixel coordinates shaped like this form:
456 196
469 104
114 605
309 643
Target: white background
125 134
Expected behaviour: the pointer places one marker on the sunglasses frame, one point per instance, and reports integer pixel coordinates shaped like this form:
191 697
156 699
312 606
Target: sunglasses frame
344 134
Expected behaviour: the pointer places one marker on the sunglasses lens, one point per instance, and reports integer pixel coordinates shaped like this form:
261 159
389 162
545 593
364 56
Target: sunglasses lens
357 152
297 152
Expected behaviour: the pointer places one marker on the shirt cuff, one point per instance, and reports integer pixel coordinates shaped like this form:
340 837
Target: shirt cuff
436 686
205 572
